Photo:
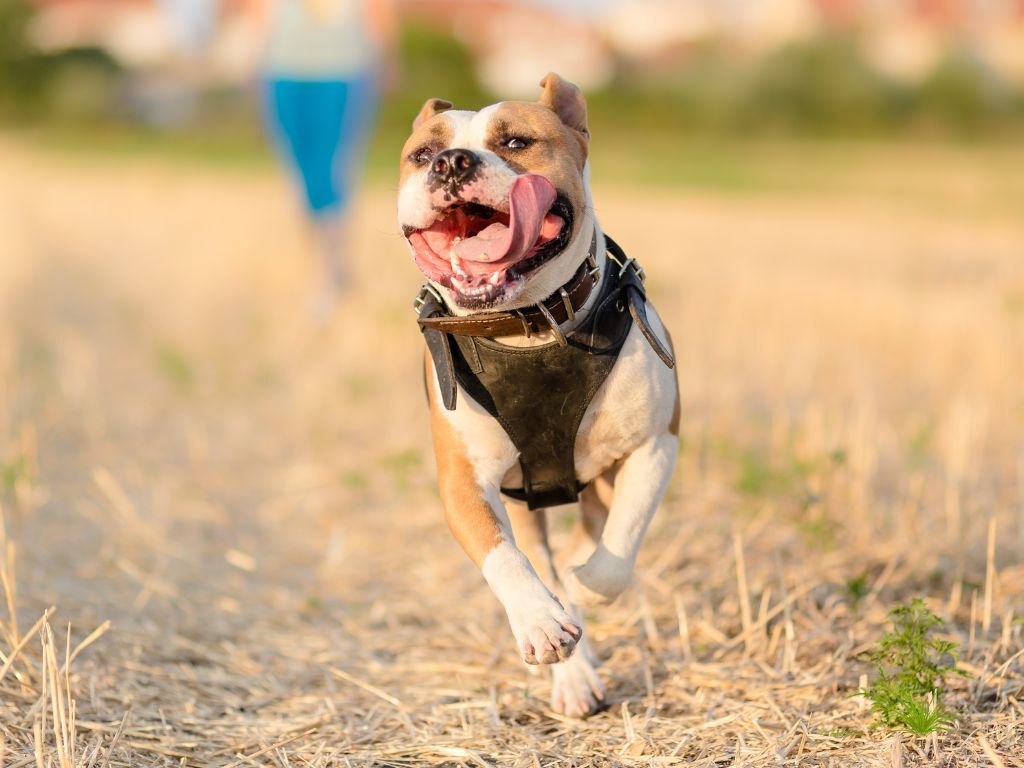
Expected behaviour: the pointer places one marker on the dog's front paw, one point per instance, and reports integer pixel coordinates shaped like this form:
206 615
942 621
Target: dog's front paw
576 689
593 585
545 633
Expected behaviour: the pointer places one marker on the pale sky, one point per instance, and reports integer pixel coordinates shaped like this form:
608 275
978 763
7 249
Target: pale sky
581 6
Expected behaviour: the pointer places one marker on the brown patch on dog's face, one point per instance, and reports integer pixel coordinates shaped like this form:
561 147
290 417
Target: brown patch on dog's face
429 137
552 150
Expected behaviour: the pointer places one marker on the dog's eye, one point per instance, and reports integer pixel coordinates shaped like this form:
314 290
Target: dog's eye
517 142
422 156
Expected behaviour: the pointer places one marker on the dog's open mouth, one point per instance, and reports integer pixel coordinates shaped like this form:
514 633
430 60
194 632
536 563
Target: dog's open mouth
482 254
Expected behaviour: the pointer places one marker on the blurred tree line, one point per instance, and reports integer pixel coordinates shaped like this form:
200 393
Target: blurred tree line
821 87
72 84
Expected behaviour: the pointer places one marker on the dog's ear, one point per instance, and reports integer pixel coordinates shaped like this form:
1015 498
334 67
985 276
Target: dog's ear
565 100
431 107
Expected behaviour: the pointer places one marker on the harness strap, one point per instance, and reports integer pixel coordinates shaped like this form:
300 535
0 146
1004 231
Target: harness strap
429 304
636 298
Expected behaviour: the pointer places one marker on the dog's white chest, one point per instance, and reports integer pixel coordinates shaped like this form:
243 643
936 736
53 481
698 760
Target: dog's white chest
636 400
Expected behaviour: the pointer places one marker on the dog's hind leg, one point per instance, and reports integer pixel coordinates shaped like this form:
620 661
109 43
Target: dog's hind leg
529 526
595 500
639 486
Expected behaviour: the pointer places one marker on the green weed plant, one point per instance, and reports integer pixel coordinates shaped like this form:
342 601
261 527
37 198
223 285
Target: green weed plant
912 666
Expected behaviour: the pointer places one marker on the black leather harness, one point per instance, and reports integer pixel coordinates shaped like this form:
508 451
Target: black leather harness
540 394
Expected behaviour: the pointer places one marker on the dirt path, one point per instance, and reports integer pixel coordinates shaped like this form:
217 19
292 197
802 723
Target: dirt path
250 501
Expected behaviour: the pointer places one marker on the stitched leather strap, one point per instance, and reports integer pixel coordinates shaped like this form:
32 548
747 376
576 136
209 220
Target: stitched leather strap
527 321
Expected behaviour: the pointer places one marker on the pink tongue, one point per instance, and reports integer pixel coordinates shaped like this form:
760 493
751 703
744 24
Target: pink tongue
500 246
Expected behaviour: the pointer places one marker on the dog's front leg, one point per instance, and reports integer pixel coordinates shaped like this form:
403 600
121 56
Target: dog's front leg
545 633
639 486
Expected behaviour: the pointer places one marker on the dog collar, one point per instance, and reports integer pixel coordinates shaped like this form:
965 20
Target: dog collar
546 315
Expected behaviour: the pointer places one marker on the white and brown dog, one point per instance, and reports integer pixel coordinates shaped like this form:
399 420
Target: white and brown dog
549 376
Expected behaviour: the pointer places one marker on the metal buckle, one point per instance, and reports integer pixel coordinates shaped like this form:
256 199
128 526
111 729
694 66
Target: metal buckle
421 298
624 265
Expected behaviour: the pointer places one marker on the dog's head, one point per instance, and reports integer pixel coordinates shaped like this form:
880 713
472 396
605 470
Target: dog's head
495 203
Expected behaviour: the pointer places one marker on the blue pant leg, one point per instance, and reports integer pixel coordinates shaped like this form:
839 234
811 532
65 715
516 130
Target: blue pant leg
306 118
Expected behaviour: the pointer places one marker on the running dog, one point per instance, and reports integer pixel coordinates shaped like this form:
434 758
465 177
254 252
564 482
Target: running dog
550 377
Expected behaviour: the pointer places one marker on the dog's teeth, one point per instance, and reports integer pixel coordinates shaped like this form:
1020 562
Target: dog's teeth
495 276
456 267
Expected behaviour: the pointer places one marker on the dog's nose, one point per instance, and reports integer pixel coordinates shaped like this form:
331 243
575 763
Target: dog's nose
453 166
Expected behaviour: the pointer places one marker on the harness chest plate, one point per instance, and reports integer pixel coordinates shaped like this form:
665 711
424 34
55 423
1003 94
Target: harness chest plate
540 394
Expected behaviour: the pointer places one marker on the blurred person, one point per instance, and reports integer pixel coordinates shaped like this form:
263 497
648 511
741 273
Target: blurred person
325 62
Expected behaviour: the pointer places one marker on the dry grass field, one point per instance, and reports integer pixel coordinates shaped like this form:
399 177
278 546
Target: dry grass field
235 512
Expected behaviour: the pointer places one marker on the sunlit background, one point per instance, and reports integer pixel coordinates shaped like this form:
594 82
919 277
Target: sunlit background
174 74
828 196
